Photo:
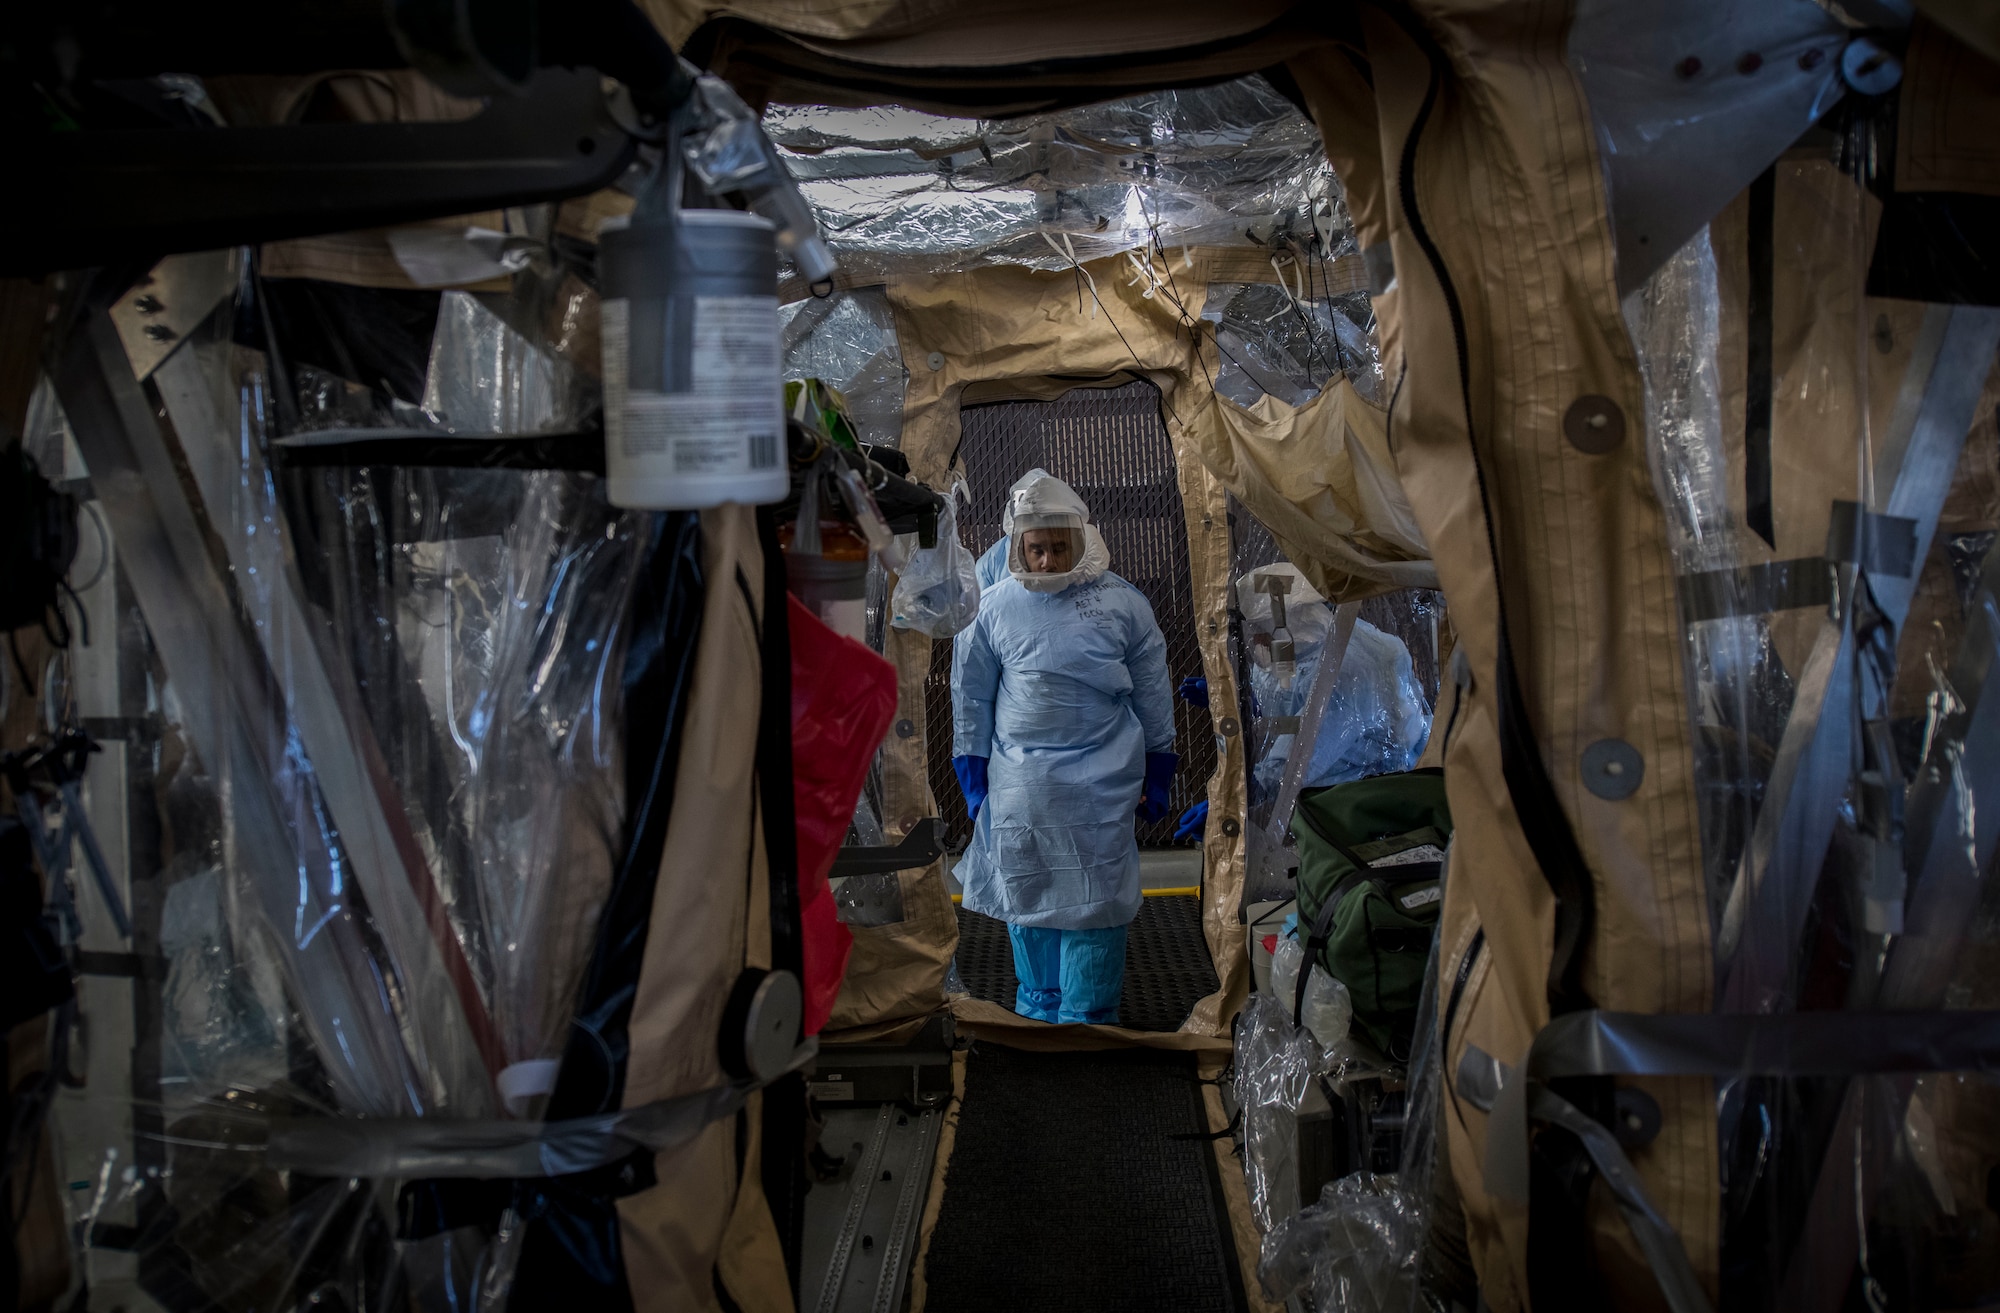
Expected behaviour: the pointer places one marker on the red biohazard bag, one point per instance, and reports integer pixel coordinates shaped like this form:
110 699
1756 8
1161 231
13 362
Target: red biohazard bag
843 699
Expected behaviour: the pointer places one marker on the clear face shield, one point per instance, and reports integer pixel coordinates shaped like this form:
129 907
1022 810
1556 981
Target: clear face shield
1044 550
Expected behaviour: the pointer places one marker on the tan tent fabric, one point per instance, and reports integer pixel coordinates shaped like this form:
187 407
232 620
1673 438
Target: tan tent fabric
1223 860
1008 331
1321 478
1338 93
981 1019
1950 102
994 59
1507 178
705 930
924 33
897 972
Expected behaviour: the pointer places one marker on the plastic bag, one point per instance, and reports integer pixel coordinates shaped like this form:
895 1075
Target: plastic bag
938 591
1276 1064
1376 722
1356 1249
1328 1011
843 699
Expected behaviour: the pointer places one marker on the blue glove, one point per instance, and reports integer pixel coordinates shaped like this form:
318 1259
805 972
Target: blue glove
1194 822
972 783
1194 689
1160 768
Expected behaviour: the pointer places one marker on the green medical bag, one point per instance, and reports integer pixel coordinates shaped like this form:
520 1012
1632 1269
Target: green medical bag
1370 886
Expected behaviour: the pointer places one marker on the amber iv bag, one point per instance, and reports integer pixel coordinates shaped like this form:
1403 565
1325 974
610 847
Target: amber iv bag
693 402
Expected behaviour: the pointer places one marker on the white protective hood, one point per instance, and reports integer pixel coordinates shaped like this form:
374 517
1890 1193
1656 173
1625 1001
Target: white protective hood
1040 498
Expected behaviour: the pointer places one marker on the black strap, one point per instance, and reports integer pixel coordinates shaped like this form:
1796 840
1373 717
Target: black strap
1322 926
1757 387
1322 930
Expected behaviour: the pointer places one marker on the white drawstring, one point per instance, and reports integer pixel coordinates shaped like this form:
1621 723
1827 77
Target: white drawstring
1142 272
1296 295
1068 250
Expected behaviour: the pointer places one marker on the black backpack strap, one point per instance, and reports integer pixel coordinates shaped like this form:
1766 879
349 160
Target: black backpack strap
1322 930
1322 926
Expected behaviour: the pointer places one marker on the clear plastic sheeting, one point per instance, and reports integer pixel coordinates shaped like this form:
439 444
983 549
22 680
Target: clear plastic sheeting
1375 721
487 378
487 637
849 340
1362 1246
1328 1009
1691 101
1271 341
1355 1251
1740 692
937 592
363 363
898 190
1276 1065
389 796
1372 717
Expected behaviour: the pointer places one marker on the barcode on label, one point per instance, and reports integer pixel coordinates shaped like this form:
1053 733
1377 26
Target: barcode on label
763 451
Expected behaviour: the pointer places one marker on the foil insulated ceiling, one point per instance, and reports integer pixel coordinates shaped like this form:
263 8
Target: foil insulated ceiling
898 191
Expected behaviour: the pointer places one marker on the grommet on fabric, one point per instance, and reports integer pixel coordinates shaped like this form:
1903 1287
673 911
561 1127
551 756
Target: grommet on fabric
1227 725
1232 827
1594 424
935 360
1870 68
1635 1117
772 1023
1613 769
906 729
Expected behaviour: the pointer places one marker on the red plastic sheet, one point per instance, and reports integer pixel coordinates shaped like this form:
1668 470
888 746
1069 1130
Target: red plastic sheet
843 699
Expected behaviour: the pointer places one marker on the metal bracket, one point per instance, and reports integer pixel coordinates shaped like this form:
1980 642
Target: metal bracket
920 847
110 195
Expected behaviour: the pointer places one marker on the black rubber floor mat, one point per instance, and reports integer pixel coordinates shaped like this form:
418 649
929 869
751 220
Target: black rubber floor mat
1167 967
1066 1189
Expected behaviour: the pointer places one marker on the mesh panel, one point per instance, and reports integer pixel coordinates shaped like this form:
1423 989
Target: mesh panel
1111 446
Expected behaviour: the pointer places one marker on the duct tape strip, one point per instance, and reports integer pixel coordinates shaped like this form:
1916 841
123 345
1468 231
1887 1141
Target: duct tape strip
1879 544
1758 589
1705 1044
1699 1044
435 1148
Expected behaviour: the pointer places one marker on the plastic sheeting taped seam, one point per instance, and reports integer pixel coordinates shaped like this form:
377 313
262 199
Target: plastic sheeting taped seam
438 1147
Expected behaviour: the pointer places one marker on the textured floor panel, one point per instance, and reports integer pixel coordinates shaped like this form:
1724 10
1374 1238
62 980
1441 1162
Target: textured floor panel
1066 1189
1167 967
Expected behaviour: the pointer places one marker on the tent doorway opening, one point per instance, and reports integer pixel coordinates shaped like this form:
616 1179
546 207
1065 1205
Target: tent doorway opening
1111 445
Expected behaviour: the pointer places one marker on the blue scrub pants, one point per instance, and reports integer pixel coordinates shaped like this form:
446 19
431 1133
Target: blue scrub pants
1068 975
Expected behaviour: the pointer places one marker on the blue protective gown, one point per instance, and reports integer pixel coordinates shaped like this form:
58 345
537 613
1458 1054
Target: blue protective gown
991 567
1065 694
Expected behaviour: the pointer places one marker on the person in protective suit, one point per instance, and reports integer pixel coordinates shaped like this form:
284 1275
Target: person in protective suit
1063 728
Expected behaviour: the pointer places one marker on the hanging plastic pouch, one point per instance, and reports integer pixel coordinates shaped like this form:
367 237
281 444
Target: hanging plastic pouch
938 592
843 699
